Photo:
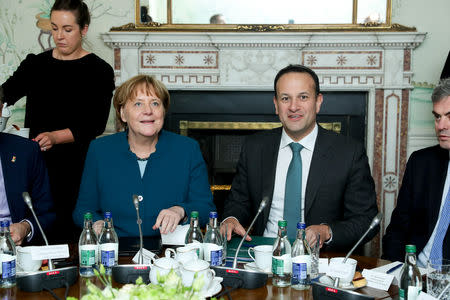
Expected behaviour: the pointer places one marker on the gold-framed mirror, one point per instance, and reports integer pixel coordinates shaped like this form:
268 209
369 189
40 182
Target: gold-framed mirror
262 15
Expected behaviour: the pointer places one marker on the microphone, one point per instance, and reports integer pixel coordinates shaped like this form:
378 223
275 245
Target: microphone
129 273
375 222
246 279
139 222
260 209
52 279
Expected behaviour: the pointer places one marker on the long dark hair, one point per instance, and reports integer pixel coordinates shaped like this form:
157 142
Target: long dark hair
77 7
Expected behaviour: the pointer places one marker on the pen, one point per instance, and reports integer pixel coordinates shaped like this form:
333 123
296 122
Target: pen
394 268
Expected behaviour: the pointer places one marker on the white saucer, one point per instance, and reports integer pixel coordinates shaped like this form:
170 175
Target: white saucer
214 288
252 267
330 282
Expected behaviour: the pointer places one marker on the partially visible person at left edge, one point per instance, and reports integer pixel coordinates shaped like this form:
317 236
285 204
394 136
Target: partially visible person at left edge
422 214
22 169
165 168
69 93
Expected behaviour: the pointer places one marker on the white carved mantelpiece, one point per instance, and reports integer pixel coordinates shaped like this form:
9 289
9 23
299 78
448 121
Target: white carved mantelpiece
376 62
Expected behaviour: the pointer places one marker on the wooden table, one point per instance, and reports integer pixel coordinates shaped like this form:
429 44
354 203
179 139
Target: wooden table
267 292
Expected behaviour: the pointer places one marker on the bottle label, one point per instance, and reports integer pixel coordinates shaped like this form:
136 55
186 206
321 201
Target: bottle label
88 255
299 272
213 253
216 257
108 258
281 264
111 247
8 266
401 294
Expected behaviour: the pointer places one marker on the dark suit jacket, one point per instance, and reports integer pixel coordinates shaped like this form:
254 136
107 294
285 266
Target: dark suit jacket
418 204
24 170
340 190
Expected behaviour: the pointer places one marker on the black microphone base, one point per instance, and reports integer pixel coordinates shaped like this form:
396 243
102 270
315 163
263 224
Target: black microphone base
246 279
324 292
52 279
129 273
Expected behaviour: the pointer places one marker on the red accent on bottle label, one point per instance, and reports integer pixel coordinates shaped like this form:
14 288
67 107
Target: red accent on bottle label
141 268
331 290
233 271
52 273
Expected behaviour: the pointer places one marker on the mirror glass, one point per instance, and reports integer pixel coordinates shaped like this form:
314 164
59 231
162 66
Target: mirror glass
262 11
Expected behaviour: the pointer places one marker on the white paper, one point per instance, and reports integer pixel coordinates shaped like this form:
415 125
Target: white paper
176 237
341 270
146 257
425 296
378 280
50 252
323 265
396 273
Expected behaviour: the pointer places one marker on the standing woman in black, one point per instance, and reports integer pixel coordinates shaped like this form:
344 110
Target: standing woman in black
68 94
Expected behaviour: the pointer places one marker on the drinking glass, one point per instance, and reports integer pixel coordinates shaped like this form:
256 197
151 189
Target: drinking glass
315 253
438 278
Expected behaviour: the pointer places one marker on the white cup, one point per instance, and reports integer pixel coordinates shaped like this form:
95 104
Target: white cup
182 254
203 271
347 277
161 267
24 261
198 248
263 256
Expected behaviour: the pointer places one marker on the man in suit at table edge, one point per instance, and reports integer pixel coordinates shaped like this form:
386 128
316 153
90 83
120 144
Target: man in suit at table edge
422 214
335 197
22 168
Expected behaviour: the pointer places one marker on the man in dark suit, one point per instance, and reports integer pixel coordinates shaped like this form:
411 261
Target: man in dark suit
335 197
22 168
422 214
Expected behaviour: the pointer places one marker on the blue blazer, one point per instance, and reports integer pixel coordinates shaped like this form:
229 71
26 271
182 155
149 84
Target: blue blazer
24 170
175 175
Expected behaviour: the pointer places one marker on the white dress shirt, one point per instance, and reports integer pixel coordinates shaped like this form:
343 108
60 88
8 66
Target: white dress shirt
425 254
283 161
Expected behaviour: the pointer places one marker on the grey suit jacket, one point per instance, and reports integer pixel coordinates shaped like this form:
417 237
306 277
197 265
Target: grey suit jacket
340 190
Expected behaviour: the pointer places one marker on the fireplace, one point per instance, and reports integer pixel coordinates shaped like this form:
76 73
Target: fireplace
373 66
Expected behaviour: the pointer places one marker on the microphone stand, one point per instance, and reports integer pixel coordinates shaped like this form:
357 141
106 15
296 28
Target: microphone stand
130 272
376 220
52 279
246 279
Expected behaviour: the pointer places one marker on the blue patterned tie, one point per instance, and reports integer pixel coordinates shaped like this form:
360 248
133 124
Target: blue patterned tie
293 191
436 249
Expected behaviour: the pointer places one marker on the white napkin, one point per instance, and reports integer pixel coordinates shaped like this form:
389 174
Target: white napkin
176 237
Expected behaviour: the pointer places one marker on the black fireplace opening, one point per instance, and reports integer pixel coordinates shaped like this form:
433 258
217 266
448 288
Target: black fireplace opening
220 121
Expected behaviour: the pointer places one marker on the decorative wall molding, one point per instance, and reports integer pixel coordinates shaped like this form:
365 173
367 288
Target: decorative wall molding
378 63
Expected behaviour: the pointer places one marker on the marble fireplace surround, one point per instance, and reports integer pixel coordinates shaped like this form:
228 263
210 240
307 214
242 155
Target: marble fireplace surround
379 63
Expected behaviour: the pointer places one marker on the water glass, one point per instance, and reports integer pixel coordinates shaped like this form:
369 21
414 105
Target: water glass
438 278
315 253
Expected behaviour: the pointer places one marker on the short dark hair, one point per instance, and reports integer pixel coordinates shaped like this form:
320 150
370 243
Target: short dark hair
77 7
297 69
441 91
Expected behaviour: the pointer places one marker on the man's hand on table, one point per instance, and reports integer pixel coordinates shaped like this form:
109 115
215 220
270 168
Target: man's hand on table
313 230
19 231
231 225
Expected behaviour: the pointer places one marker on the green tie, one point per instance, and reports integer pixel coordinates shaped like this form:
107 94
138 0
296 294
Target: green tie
293 191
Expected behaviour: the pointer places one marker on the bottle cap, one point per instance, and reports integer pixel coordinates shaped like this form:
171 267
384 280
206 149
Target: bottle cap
282 223
4 223
213 214
301 225
194 214
88 216
107 215
410 248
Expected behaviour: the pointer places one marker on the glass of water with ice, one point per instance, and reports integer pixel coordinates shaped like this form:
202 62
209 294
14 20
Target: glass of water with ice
438 278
